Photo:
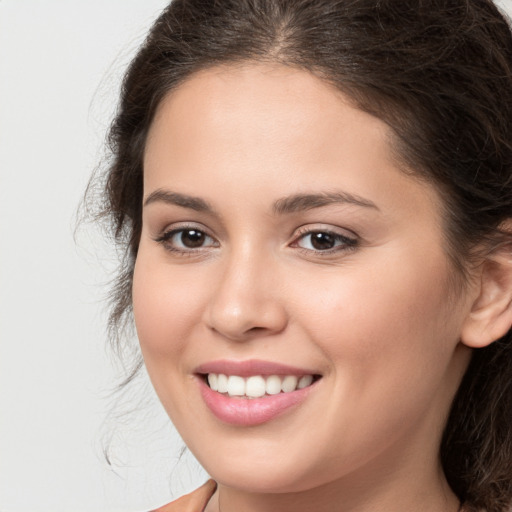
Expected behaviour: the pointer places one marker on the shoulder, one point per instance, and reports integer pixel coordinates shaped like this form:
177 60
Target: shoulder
194 502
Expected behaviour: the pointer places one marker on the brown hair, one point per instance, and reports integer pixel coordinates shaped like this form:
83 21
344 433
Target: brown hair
439 73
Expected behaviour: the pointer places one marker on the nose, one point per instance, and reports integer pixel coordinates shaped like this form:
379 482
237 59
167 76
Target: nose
245 301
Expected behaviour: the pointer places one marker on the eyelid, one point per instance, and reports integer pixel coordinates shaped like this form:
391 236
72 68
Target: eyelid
325 228
349 241
346 239
166 234
184 225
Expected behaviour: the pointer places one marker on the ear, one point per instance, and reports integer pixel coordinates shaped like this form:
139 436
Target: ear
490 317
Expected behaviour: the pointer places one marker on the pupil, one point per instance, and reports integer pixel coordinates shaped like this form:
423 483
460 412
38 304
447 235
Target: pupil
322 241
192 238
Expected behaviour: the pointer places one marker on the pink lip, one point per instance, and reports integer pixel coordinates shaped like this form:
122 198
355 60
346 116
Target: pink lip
250 412
251 367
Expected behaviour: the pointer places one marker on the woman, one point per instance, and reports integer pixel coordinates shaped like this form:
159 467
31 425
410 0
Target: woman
316 201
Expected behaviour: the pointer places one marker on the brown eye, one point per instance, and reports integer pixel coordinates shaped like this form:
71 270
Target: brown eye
324 241
186 239
191 238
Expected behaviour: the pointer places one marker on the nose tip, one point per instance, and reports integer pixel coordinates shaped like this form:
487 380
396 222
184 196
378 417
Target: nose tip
243 306
239 324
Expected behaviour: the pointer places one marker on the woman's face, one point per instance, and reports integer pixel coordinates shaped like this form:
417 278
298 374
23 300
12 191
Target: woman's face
283 248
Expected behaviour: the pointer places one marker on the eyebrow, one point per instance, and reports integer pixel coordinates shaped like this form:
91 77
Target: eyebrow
289 204
300 202
183 200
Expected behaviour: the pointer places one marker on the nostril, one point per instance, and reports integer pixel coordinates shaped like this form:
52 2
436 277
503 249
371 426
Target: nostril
240 309
256 329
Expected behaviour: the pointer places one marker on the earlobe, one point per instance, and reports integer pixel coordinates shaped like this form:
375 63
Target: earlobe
490 317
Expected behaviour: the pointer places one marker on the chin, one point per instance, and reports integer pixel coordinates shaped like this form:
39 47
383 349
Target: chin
256 471
267 480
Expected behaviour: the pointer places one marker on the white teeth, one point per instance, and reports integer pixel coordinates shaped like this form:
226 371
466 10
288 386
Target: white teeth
289 383
222 383
273 385
257 386
305 381
213 381
236 385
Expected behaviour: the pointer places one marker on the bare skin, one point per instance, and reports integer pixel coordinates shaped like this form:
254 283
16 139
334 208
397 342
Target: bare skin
279 227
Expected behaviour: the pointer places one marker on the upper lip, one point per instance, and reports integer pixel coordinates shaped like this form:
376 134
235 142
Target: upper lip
251 367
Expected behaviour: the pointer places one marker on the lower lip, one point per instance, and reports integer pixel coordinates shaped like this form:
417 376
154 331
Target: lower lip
247 412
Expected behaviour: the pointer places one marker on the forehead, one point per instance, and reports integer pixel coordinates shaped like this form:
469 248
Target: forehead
276 129
226 89
258 110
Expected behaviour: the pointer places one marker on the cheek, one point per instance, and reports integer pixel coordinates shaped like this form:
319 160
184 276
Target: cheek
391 320
389 336
167 305
164 303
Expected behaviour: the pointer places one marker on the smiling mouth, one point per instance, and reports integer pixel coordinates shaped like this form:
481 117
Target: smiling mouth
257 386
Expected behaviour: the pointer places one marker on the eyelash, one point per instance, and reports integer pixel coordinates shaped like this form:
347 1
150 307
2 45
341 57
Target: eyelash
344 243
166 240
